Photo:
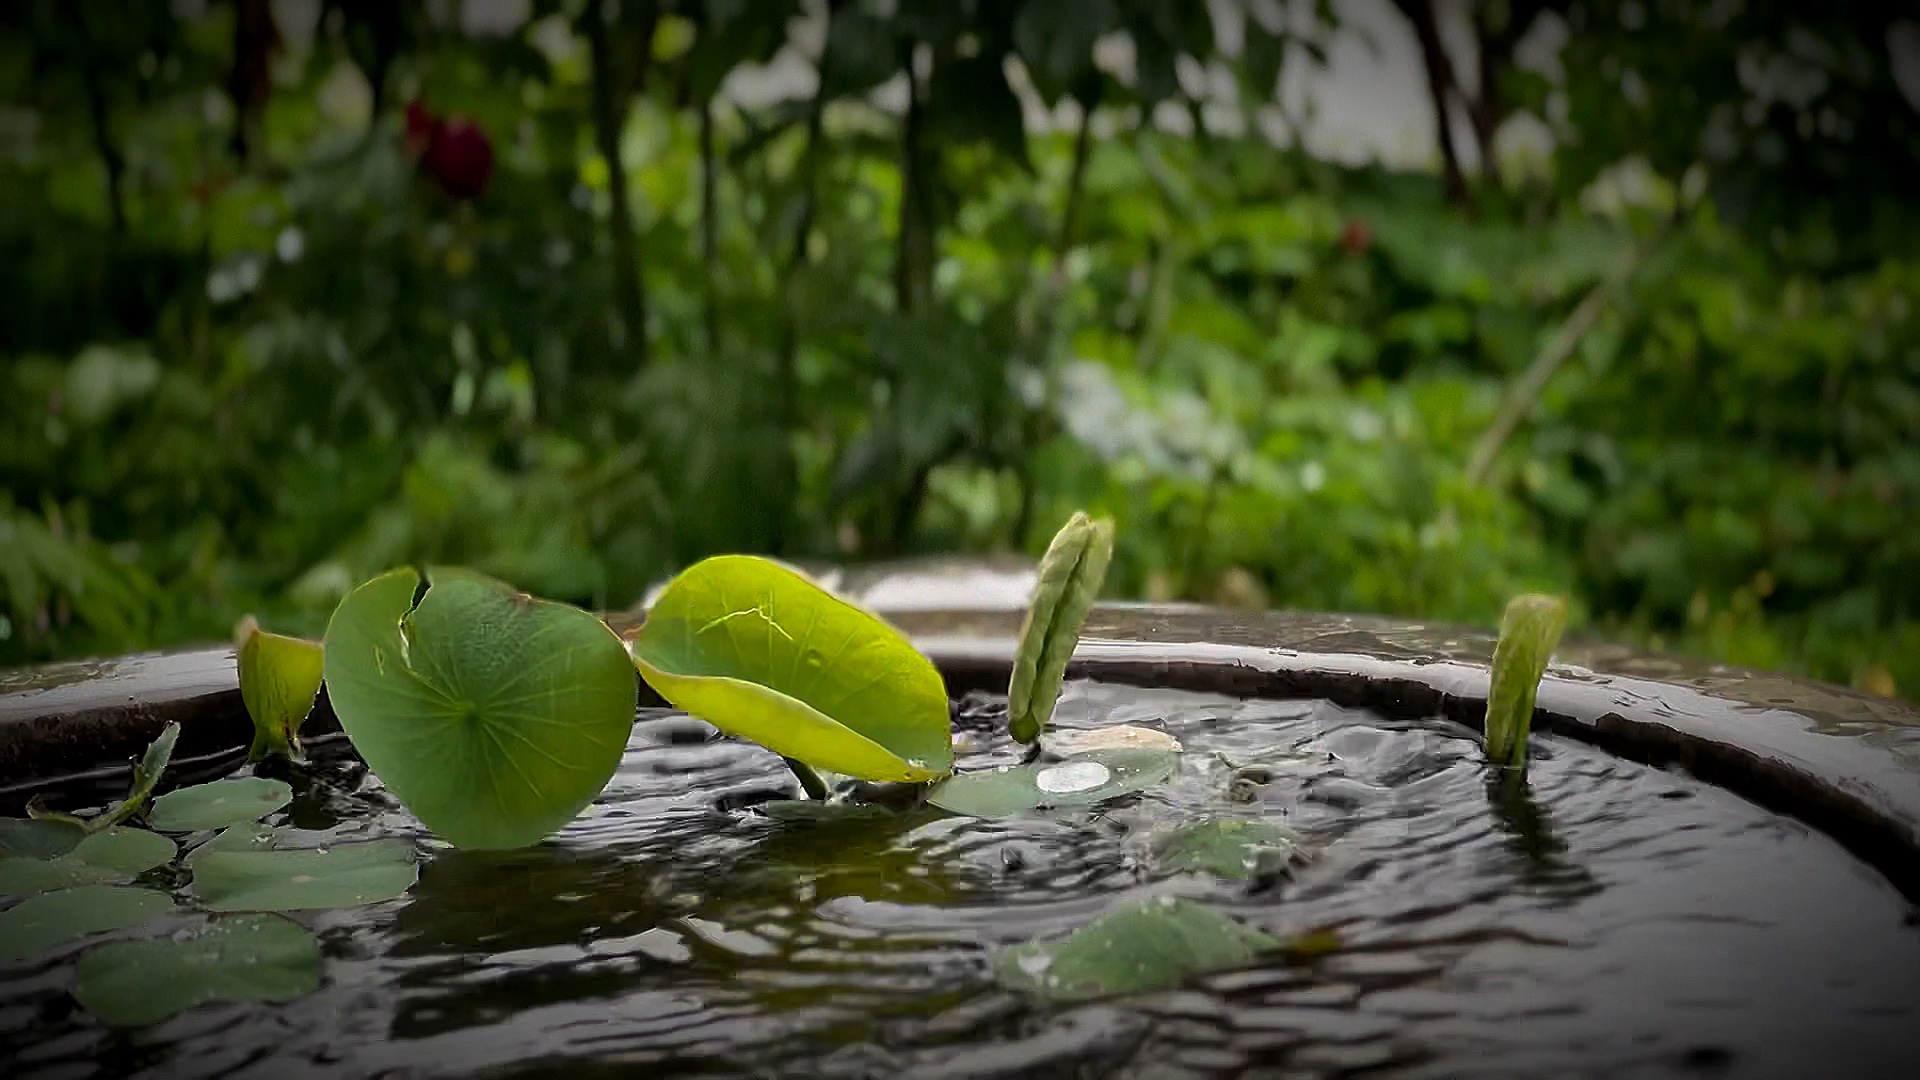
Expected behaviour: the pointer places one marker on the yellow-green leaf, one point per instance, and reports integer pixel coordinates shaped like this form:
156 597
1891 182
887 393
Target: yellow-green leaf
760 652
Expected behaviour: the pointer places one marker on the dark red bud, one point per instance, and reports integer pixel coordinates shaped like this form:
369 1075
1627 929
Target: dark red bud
460 157
1356 238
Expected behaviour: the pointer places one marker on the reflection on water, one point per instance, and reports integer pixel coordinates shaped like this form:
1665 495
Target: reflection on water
1607 919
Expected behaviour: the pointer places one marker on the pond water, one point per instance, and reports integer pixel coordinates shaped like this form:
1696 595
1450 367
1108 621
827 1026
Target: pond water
1626 922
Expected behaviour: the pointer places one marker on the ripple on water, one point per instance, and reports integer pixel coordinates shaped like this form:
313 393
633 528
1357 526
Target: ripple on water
1620 920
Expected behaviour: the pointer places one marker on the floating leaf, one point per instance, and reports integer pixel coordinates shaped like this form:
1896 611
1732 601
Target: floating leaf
1112 737
1070 575
1078 781
345 875
238 958
245 836
762 653
1528 633
39 838
109 855
219 804
1228 848
1147 945
493 716
43 921
279 679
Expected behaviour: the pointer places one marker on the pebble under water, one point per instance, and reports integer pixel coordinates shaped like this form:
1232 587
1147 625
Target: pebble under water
1624 922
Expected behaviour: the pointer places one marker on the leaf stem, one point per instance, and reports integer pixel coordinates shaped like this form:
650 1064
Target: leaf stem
809 780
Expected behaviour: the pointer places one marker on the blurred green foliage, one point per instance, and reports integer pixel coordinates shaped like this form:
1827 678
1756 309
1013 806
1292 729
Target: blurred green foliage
254 352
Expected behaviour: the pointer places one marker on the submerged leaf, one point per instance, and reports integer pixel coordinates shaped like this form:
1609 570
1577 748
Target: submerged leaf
237 958
228 878
219 804
762 653
495 717
1147 945
1228 848
279 679
110 855
41 922
1070 575
1082 780
1528 634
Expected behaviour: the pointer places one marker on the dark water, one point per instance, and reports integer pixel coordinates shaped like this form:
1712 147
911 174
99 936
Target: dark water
1626 922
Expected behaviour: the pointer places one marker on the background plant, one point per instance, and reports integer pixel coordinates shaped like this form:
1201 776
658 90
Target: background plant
591 312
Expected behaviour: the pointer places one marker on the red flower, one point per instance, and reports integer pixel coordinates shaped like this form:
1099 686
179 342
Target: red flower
1356 238
453 150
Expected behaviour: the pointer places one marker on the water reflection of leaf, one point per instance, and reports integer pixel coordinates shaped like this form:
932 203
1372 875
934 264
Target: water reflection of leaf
1530 835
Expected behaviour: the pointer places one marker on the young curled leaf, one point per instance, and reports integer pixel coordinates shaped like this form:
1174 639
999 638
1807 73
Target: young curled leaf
1070 575
279 679
1528 634
146 777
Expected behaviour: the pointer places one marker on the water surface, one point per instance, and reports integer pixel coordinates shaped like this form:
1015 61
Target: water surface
1622 922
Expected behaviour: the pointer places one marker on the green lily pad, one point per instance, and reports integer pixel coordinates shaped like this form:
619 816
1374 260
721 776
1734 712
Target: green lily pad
1228 848
39 838
1070 575
1529 631
493 716
219 804
238 958
279 679
109 855
1146 945
1081 780
345 875
760 652
41 922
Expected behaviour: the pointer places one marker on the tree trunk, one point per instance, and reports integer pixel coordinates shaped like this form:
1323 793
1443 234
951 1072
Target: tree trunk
1440 82
609 117
102 127
913 266
709 228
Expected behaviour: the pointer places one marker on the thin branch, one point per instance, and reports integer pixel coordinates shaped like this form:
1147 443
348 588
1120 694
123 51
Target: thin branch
1563 343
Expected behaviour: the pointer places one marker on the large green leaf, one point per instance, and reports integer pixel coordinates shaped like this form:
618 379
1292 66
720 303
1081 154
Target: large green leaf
1529 631
219 804
238 958
343 875
279 679
495 717
43 921
1146 945
1082 780
109 855
761 652
1070 575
